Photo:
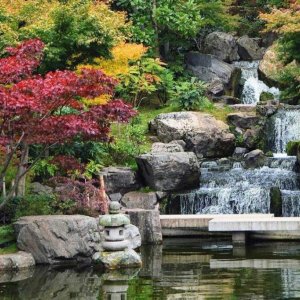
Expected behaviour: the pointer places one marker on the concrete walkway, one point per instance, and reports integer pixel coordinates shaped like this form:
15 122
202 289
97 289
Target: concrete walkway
239 226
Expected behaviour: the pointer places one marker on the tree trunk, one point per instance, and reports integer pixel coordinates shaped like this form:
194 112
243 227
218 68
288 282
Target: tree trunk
21 175
155 25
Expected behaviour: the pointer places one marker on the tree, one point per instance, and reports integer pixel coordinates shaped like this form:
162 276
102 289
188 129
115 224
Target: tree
48 110
286 22
73 31
161 24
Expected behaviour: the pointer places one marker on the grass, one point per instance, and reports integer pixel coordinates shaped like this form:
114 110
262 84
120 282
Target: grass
6 233
7 236
219 113
9 249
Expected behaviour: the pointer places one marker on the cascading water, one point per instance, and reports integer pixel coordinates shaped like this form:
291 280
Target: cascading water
284 126
252 86
231 189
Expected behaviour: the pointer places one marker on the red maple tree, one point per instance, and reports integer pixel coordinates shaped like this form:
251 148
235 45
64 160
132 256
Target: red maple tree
33 108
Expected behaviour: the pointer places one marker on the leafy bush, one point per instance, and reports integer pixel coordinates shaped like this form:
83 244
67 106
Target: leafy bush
74 31
33 205
78 196
146 78
190 95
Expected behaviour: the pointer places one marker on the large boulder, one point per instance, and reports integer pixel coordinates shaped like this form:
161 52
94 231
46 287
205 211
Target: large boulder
169 147
255 159
55 239
64 239
16 261
249 49
120 180
209 69
243 120
222 45
169 171
140 200
203 134
270 66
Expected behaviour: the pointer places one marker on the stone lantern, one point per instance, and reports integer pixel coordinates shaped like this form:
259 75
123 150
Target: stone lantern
114 228
116 243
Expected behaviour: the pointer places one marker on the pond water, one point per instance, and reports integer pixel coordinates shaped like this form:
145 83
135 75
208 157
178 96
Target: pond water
181 269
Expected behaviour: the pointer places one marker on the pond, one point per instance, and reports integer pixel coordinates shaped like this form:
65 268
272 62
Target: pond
180 269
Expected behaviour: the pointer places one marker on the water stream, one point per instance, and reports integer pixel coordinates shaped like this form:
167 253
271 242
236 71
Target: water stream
252 86
282 127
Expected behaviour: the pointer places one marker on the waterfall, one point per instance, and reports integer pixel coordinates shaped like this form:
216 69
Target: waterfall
283 127
252 86
235 190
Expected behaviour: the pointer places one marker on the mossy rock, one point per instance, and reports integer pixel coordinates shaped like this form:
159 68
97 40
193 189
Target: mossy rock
275 202
265 96
292 148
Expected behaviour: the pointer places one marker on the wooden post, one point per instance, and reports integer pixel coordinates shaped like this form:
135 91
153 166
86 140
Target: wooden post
103 196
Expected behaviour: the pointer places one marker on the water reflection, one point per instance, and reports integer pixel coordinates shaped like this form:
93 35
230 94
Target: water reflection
184 269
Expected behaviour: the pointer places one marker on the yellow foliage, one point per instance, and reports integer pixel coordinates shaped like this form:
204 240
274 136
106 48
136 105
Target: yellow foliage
101 100
122 55
283 20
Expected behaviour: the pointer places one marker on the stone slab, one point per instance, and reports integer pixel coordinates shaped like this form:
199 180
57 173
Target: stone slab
254 264
257 224
201 222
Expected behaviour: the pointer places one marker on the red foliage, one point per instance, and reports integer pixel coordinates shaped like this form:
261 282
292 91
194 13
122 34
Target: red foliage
31 105
67 164
23 60
85 194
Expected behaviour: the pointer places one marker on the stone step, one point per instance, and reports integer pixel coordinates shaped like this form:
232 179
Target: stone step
243 107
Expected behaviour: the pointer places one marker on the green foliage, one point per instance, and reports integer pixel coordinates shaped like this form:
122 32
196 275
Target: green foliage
74 31
129 143
92 168
172 23
286 23
44 168
289 76
292 148
33 205
6 233
190 95
249 22
146 78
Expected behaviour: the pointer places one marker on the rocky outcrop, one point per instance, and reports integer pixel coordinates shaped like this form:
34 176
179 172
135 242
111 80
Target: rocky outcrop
64 239
169 171
222 45
120 180
118 259
243 120
16 261
249 49
40 189
169 147
208 68
255 159
239 152
216 88
202 133
140 200
148 222
269 66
